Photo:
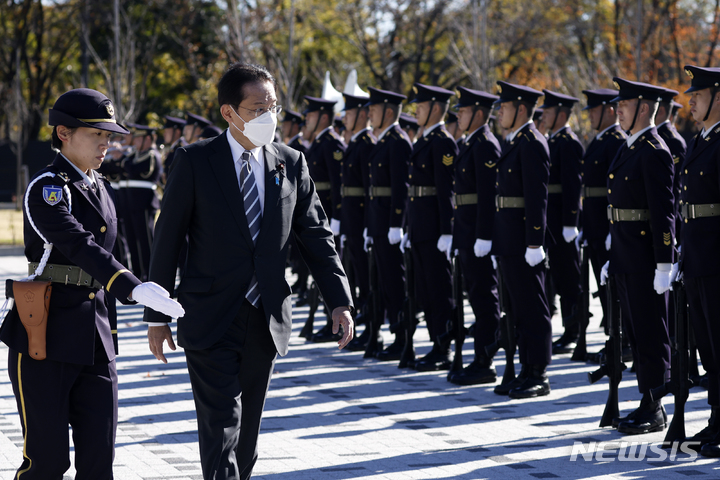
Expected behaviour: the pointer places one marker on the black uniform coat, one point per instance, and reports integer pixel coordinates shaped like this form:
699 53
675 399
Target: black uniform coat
566 152
678 149
297 144
324 159
203 200
82 228
354 172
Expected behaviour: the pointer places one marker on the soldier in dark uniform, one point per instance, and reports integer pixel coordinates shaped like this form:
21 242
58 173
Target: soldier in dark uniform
172 139
429 217
143 171
409 125
699 258
291 130
387 199
210 131
519 236
451 124
194 125
595 163
324 158
474 188
70 208
641 212
563 213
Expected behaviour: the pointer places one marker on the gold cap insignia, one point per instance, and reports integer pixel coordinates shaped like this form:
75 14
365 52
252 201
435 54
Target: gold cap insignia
617 85
689 73
499 88
110 110
415 90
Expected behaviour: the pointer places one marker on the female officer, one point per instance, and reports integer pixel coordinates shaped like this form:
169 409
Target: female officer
70 229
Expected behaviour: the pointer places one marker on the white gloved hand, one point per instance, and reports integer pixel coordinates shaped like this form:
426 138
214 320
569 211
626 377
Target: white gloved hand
395 235
444 243
335 227
569 233
608 242
662 279
404 243
367 240
604 273
152 295
494 261
482 247
534 256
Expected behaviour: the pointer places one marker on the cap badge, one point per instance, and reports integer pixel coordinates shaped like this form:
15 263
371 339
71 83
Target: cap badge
110 110
617 85
689 73
415 90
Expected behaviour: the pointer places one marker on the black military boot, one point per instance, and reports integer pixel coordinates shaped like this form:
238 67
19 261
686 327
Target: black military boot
480 371
649 417
505 389
359 343
437 359
568 340
708 434
535 385
325 334
394 351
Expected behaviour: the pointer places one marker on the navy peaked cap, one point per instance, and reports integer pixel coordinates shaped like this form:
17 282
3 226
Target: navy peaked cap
600 96
428 93
509 92
193 119
314 104
384 96
173 122
554 99
353 101
84 107
702 78
643 91
408 121
468 98
291 116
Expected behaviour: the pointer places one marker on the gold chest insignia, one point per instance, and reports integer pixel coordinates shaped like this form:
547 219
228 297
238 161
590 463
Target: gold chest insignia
447 160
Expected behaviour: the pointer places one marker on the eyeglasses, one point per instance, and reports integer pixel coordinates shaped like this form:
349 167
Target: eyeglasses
257 112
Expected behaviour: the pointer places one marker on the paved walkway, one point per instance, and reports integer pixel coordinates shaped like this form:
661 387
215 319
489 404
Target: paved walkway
333 415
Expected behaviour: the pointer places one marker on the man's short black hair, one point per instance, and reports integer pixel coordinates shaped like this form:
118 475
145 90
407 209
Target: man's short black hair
230 87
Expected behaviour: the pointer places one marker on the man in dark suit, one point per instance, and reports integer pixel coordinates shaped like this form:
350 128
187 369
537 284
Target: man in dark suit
519 231
642 227
237 303
700 259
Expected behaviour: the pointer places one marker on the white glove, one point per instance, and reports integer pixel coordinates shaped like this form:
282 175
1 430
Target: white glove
395 235
494 261
662 279
152 295
335 227
534 256
604 273
367 240
608 241
569 233
444 243
482 247
404 243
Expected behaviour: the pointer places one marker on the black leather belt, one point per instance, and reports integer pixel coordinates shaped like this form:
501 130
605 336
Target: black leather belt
65 274
421 191
628 214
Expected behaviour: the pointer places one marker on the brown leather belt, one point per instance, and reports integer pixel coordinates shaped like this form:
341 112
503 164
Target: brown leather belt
509 202
628 214
465 199
421 191
65 274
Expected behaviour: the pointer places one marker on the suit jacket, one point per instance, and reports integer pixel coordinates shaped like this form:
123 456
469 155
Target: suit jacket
325 161
700 184
641 177
202 199
475 173
566 152
82 227
523 171
354 172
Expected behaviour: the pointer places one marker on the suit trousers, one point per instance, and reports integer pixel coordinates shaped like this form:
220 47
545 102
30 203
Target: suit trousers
644 320
433 284
526 287
704 311
482 289
230 381
50 395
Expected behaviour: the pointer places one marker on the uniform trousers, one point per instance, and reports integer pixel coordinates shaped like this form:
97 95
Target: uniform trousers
644 315
359 261
140 226
230 380
482 289
525 285
564 261
704 311
433 284
598 256
50 396
390 269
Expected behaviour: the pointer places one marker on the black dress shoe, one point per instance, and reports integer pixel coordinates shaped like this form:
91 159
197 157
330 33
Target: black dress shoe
565 344
480 371
359 343
535 385
393 352
437 359
707 435
325 335
504 389
631 415
648 418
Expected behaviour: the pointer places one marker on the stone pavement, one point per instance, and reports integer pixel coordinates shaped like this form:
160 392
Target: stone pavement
333 415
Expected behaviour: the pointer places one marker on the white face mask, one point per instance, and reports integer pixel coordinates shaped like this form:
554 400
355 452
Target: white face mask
261 130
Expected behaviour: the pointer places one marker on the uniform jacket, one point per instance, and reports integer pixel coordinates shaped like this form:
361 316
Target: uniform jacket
475 172
678 149
324 161
82 228
431 164
297 144
641 177
595 163
354 173
700 184
523 171
145 166
388 167
203 200
566 152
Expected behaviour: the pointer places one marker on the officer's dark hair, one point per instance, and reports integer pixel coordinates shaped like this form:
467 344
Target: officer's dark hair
566 110
230 88
652 105
56 143
486 113
528 106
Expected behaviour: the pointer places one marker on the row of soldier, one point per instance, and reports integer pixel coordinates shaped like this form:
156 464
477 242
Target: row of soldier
524 207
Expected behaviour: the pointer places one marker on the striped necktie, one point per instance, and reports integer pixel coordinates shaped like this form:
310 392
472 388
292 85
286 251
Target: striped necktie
253 213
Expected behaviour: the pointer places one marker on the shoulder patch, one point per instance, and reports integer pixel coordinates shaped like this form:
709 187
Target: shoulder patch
338 155
447 160
52 194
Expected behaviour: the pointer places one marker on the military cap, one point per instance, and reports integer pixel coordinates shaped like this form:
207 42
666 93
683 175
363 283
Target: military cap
643 91
408 121
138 129
509 92
668 95
210 131
292 116
173 122
537 113
675 105
84 107
702 78
314 104
554 99
428 93
469 98
338 122
384 96
600 96
451 118
352 101
193 119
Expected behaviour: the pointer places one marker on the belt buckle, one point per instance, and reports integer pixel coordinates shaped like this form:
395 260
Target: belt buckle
692 210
